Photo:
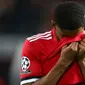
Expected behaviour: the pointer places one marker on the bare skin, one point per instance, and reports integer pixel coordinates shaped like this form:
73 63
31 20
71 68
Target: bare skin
81 56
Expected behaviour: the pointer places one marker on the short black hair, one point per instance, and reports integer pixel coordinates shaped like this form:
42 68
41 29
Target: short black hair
69 15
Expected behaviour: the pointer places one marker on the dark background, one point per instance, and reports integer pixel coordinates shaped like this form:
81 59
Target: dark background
20 19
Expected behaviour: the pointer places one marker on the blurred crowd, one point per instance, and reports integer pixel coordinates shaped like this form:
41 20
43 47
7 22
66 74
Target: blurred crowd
20 19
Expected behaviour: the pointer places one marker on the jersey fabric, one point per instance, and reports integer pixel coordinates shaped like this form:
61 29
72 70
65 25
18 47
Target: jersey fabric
39 55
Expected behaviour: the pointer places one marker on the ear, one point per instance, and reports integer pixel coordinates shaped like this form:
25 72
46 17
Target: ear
53 23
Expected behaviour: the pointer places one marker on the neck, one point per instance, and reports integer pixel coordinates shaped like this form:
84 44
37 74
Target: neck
58 34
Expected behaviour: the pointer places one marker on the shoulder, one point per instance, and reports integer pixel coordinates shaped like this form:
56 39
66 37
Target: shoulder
34 44
41 36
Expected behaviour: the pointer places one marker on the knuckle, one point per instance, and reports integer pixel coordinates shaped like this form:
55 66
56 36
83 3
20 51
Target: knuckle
73 50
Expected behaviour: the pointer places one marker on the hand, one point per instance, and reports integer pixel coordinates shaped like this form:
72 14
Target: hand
81 54
68 53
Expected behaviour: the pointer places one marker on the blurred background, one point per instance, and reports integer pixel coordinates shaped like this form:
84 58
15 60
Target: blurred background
20 19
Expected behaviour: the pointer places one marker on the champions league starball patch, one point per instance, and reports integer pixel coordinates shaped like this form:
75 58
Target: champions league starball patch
25 63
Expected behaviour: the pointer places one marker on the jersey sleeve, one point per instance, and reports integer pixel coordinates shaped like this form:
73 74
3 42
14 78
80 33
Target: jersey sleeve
31 69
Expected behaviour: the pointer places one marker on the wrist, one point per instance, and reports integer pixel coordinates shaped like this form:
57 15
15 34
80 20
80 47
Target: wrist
65 62
82 67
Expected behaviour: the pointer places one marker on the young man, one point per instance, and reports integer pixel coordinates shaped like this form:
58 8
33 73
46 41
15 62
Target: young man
57 57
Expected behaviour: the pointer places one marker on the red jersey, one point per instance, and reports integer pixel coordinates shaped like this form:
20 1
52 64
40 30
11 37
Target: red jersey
39 55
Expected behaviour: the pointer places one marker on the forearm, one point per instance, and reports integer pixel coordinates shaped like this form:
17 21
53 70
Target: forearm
54 75
82 67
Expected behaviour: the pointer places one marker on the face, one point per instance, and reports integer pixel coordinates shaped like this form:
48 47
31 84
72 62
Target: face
70 32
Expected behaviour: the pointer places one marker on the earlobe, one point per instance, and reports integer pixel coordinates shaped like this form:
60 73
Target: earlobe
53 23
83 28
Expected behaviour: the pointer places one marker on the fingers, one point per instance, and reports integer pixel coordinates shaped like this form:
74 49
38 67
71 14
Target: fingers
83 40
81 47
65 46
82 43
81 52
74 46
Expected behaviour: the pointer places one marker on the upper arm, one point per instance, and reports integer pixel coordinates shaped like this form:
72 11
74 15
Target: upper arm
31 69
